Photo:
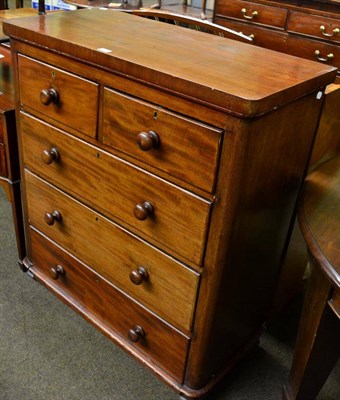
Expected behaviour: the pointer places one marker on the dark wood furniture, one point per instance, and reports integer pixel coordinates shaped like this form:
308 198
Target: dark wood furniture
326 146
14 13
307 28
179 8
9 160
159 184
318 342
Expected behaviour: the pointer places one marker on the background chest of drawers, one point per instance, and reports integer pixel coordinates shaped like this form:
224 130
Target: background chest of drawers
308 29
9 159
158 192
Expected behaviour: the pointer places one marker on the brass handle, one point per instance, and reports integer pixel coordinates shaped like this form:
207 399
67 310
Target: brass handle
56 271
143 210
147 140
251 16
329 56
251 36
336 31
50 155
137 276
48 96
52 217
136 333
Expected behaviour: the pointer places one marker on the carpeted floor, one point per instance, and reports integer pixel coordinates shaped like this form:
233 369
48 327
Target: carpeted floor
48 352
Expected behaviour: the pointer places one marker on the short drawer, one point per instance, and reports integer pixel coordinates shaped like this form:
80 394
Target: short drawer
164 213
51 92
314 25
263 37
252 12
179 146
326 53
3 169
109 308
169 287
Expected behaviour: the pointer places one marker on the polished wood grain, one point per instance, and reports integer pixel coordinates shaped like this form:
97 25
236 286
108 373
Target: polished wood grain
165 345
120 189
252 12
327 141
311 25
319 217
326 53
256 111
171 287
326 146
60 95
184 148
241 95
317 346
262 221
262 36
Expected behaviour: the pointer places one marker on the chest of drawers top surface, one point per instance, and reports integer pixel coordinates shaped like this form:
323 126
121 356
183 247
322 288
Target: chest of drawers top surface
153 205
172 58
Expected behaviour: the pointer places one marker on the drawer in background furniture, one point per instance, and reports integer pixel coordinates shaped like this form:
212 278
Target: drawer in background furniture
262 37
61 96
314 25
177 218
114 253
326 53
177 145
108 307
3 169
252 12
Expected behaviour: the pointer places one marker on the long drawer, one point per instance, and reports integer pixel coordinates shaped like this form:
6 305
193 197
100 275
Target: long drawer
182 147
164 212
314 25
170 287
328 53
50 92
156 341
263 37
252 12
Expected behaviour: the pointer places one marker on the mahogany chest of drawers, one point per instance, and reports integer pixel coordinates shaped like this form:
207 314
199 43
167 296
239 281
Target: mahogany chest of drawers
308 28
159 184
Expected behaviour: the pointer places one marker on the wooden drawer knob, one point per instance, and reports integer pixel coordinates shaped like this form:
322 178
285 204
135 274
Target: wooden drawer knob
56 271
48 96
50 155
143 210
136 333
137 276
52 217
147 140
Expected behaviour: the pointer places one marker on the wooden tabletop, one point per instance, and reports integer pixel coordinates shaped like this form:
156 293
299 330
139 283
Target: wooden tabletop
319 217
235 77
14 13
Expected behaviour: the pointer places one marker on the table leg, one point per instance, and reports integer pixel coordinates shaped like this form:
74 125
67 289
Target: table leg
317 346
